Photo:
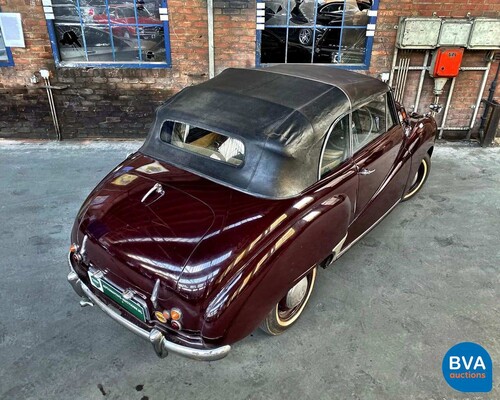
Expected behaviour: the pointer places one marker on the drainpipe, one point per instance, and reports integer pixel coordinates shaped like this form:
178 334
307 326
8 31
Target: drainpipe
211 52
480 94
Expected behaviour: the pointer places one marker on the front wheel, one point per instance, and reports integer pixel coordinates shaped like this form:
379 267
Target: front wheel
420 177
290 307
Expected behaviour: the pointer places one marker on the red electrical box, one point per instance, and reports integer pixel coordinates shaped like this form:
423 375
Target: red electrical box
446 62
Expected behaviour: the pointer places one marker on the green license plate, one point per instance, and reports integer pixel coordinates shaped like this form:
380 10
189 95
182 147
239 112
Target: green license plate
131 305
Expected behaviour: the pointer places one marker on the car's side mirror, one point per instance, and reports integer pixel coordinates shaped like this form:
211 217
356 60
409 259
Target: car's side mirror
436 108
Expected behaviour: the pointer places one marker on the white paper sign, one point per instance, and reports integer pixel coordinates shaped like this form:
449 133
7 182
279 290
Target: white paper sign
12 29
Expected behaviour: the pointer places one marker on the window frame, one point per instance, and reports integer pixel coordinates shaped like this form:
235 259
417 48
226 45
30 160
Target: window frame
372 19
111 64
10 59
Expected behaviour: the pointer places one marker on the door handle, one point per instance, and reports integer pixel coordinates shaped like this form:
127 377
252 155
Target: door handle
364 171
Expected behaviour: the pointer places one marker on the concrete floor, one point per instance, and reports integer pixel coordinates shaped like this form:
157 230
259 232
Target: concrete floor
377 325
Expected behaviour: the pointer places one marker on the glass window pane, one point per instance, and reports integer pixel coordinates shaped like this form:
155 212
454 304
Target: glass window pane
353 46
153 44
368 122
276 12
299 45
203 142
98 44
70 41
302 12
327 45
273 45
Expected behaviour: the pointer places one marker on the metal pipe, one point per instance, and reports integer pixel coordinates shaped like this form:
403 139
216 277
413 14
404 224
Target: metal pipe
405 77
402 81
398 79
479 95
393 66
454 128
421 81
211 49
491 95
420 68
446 107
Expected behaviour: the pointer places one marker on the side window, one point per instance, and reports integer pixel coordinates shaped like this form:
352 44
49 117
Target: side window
336 146
369 122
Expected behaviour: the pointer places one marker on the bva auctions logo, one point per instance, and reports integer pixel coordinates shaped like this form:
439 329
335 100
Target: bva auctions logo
467 367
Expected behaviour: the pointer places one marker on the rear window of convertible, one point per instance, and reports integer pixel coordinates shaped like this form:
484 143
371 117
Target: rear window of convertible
203 142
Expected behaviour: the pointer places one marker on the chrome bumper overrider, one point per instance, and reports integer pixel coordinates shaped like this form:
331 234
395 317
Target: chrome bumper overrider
161 345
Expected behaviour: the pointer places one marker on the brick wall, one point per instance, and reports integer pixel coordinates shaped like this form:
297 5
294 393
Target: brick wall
120 102
116 102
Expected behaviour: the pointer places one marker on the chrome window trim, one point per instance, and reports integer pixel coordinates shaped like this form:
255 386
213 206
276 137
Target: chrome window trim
327 136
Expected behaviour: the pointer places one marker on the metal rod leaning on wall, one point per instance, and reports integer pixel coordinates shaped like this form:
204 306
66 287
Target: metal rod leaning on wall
398 78
402 75
421 81
45 74
447 107
480 94
54 112
405 77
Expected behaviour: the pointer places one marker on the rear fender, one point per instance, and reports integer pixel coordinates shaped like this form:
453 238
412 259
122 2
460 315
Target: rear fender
251 294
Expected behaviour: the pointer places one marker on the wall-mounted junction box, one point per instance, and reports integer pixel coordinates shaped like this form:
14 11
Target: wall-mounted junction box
433 32
455 32
485 34
418 33
446 62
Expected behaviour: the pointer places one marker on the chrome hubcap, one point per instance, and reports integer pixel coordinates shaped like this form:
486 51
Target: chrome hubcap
305 36
297 293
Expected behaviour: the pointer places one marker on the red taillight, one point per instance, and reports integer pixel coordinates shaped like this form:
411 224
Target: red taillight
73 248
176 325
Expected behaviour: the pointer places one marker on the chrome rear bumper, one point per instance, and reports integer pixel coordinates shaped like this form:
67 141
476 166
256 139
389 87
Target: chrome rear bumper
161 345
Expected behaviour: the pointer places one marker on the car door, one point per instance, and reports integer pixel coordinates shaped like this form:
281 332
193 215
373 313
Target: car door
377 142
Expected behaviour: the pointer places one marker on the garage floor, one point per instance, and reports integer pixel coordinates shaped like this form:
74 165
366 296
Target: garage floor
377 326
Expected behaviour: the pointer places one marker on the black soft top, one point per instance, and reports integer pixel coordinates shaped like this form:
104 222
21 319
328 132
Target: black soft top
281 114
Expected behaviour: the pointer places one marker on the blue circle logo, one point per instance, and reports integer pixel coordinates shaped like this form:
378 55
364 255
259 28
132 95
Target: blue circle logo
467 367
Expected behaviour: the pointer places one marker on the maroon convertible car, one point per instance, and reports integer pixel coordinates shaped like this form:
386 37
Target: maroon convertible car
245 185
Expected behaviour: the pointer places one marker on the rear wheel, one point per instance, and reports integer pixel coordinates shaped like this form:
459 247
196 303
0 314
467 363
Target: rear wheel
420 177
290 307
